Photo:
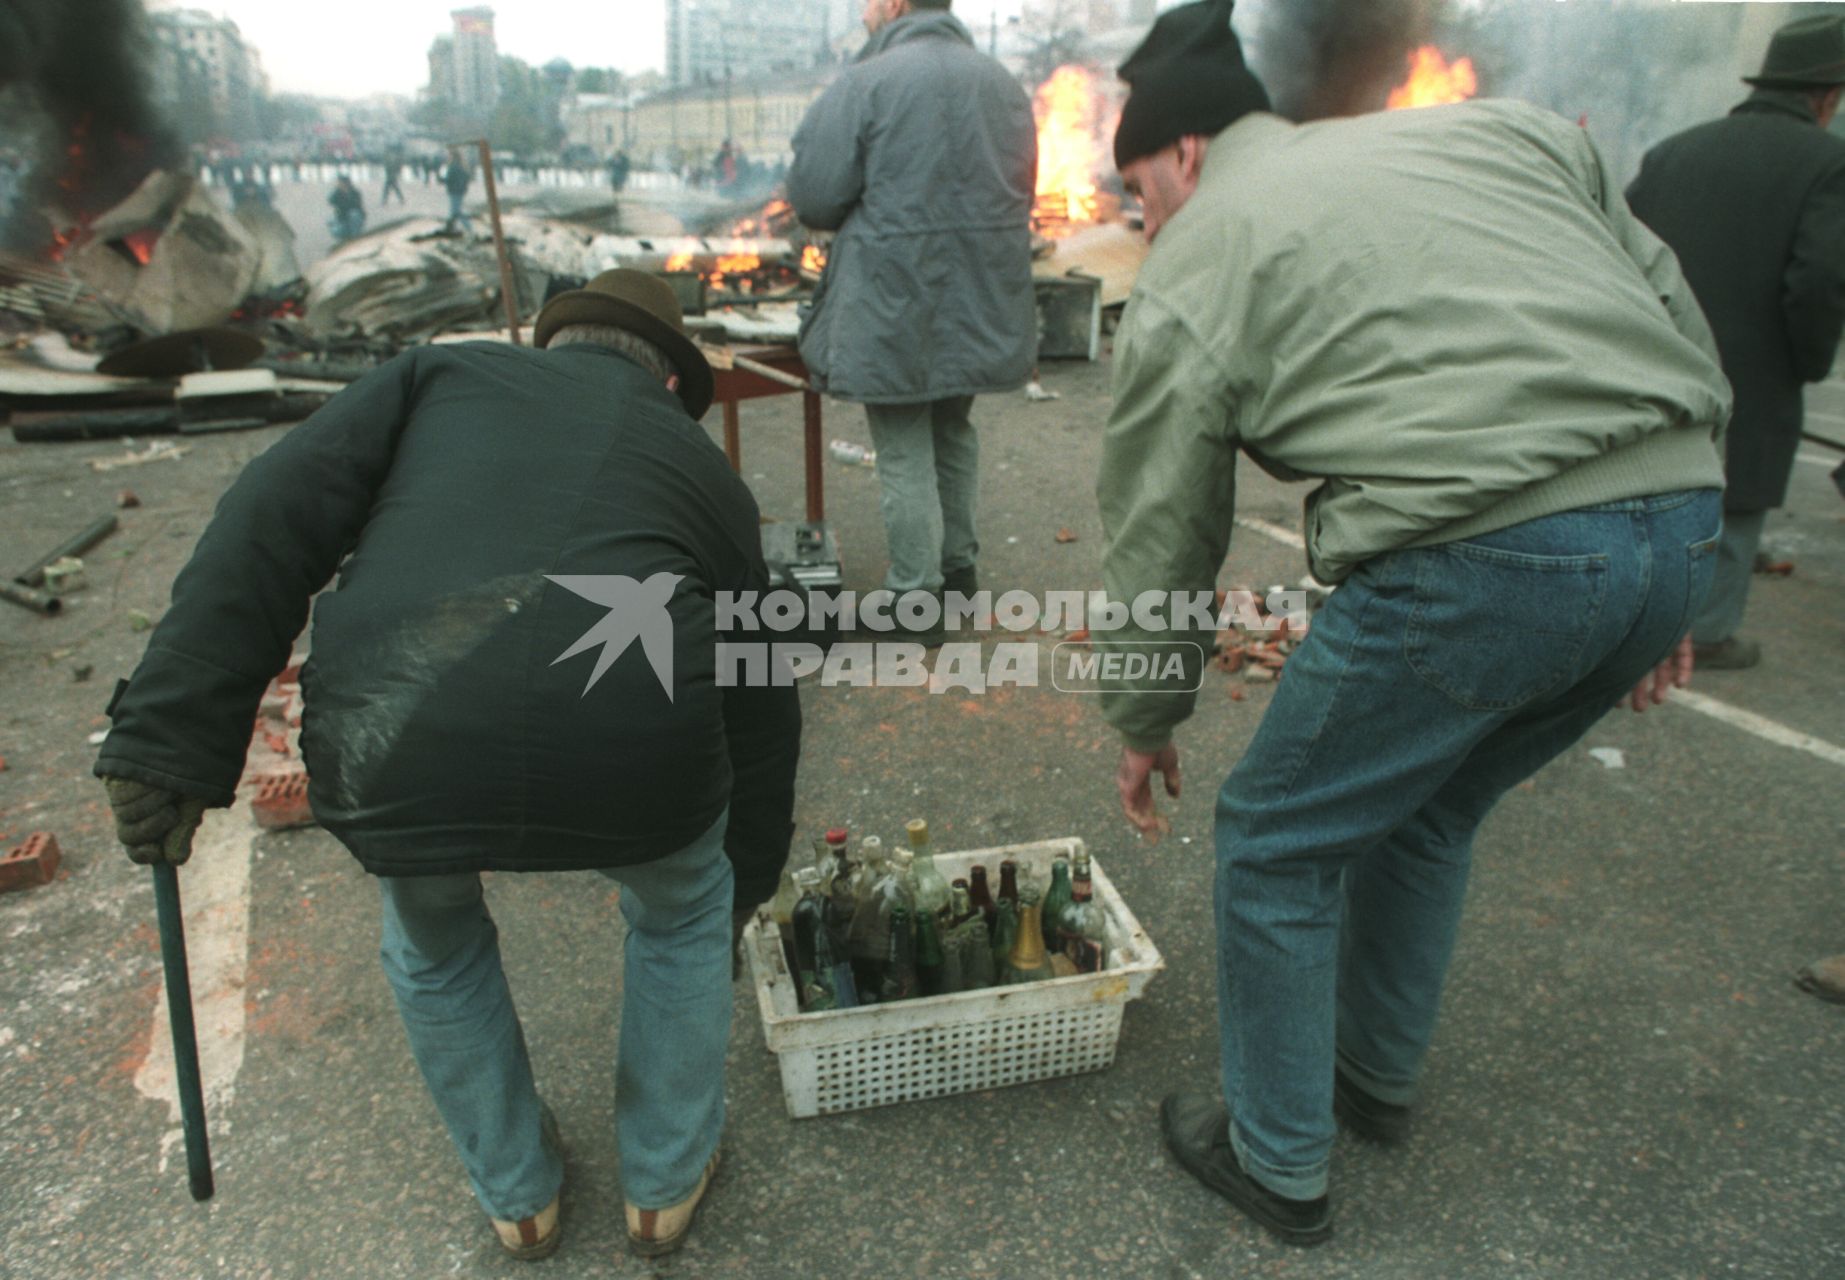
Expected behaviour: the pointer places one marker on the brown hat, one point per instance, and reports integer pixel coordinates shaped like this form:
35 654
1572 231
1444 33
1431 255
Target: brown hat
645 306
1807 54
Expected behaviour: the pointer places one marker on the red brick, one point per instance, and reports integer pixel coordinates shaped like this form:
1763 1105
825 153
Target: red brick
281 801
31 864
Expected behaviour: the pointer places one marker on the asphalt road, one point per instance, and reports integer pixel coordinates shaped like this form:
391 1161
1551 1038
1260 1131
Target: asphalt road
1625 1084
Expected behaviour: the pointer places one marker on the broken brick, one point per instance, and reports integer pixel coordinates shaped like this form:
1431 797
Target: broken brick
32 863
281 801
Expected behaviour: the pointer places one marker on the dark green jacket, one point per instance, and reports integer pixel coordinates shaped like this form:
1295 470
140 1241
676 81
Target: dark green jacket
444 731
1754 207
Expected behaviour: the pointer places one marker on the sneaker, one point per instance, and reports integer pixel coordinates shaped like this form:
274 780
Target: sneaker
966 581
1197 1130
1372 1119
1726 655
653 1233
538 1236
530 1239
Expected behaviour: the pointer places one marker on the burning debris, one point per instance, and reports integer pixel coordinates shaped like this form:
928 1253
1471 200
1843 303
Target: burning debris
1323 58
1434 81
1076 119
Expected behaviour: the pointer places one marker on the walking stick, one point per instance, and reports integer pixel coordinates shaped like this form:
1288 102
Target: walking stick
185 1039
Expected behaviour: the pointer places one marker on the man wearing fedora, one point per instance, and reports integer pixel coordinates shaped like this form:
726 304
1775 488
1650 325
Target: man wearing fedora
1510 405
1754 206
516 671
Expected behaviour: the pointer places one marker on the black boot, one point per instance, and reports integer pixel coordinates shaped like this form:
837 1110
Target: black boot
1197 1129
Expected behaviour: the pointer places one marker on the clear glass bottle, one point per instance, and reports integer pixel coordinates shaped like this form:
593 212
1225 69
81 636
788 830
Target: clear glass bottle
1085 924
869 942
932 895
1056 901
1005 933
1028 961
971 943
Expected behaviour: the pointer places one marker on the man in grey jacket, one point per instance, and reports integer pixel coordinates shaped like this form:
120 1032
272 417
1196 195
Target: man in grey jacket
923 157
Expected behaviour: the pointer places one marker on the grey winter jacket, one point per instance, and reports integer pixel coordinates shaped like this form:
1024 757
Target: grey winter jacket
923 156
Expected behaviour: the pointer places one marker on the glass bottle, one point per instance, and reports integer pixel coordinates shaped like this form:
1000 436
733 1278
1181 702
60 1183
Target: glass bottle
931 964
869 941
839 863
932 897
1005 933
970 940
833 972
981 896
809 922
781 912
1009 883
1056 901
900 964
1028 961
1085 925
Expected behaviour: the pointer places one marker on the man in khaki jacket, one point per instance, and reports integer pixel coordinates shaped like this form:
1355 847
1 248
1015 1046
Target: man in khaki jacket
1512 408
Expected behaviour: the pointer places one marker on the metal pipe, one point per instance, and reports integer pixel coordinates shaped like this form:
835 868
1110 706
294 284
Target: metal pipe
92 534
37 601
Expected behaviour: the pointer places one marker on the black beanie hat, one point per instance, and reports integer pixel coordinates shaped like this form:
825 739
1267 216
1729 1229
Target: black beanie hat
1187 77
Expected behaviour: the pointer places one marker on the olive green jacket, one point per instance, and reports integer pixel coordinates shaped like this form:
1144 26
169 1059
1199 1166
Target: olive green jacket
1447 317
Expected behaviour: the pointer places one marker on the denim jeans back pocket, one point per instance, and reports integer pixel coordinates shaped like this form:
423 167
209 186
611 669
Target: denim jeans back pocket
1700 572
1494 629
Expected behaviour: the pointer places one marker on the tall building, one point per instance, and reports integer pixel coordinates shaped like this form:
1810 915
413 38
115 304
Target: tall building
201 59
711 41
464 66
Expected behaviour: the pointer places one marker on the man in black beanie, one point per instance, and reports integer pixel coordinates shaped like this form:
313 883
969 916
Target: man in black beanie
1449 319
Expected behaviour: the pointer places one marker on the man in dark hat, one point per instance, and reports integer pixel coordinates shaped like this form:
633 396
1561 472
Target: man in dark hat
1754 207
516 671
1450 320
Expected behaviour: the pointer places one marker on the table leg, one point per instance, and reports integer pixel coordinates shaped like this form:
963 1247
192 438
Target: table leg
816 474
733 437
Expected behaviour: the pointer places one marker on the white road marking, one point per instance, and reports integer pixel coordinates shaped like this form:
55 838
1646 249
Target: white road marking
1760 726
215 894
1816 460
1748 721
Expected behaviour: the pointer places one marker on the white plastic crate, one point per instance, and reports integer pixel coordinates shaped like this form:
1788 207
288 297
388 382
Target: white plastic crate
849 1059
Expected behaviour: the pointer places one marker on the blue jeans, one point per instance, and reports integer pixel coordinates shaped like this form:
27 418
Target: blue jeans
456 215
441 954
929 480
1433 681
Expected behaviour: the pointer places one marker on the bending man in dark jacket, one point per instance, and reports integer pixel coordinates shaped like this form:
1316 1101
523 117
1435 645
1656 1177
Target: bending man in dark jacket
516 672
1754 206
923 156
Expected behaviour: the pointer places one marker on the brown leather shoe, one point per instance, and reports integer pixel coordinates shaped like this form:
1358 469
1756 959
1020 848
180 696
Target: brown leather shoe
1726 655
530 1239
1824 978
655 1232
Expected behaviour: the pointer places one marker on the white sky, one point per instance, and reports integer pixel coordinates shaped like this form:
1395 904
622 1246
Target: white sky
354 48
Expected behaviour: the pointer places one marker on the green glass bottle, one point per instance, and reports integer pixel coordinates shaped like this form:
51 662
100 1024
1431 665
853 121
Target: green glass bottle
932 895
931 965
1005 933
1056 901
900 965
869 941
971 945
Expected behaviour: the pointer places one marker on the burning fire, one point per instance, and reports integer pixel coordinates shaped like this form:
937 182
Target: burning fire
1068 107
733 264
1433 81
679 262
813 259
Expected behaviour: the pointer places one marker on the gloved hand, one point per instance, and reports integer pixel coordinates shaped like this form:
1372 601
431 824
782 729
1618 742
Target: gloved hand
152 824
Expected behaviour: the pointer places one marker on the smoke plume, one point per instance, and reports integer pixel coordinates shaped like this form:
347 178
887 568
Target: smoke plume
79 70
1323 58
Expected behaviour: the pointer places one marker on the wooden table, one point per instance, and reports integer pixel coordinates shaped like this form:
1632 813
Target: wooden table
737 385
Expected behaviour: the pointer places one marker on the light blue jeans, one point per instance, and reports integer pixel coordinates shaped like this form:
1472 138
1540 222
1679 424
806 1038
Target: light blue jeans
929 480
441 954
1433 681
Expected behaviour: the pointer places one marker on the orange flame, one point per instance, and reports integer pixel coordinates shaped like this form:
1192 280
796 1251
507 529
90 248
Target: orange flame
813 259
679 262
141 244
1068 107
729 264
1433 81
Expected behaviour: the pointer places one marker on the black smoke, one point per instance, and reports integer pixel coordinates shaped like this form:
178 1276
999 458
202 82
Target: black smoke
75 83
1322 58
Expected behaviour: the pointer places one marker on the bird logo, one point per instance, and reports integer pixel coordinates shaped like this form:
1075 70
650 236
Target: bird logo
637 611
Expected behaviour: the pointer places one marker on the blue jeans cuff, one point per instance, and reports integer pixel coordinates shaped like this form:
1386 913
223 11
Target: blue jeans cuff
1295 1184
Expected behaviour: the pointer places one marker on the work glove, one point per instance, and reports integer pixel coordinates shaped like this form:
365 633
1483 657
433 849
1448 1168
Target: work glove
153 825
